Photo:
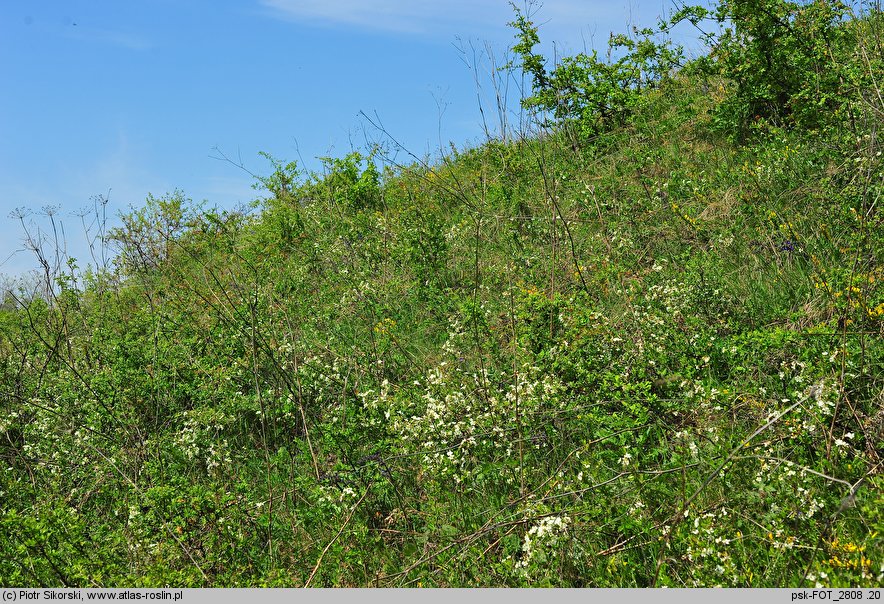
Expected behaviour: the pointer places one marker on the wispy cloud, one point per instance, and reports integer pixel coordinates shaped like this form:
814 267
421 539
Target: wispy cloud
405 16
115 169
557 18
120 39
227 191
122 169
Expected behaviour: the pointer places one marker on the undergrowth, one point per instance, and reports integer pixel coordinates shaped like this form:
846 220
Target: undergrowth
637 346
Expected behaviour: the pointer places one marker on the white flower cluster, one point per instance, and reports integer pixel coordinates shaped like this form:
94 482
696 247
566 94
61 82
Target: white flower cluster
790 478
455 421
686 439
673 297
710 547
218 453
200 437
543 536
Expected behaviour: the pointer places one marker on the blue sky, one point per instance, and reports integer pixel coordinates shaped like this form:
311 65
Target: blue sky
131 98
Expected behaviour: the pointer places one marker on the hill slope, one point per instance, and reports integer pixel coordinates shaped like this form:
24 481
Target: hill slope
634 351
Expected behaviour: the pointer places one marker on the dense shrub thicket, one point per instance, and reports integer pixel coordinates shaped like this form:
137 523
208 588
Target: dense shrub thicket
638 346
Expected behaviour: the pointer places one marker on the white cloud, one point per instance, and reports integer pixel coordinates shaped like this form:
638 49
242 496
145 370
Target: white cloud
120 169
116 169
120 39
574 24
226 191
406 16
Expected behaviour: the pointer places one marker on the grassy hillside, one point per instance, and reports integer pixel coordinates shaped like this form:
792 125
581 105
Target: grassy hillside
638 345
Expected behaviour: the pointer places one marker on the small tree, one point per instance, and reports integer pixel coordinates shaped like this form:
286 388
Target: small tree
597 94
785 60
147 235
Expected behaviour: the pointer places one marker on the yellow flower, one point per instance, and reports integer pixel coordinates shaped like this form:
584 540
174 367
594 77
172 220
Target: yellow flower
384 326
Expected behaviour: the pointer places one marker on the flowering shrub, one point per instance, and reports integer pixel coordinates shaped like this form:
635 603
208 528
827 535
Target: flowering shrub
654 363
457 428
540 546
